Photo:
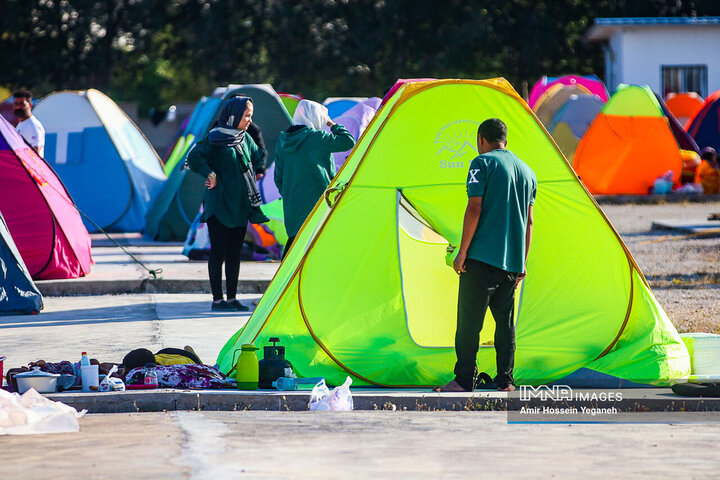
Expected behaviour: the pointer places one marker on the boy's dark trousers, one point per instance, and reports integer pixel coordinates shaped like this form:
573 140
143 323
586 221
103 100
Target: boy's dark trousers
482 286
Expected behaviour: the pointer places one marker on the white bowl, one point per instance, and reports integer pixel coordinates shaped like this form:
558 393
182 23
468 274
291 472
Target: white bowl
43 382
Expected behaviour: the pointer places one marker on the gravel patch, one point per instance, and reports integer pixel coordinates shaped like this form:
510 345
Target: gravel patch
691 309
684 270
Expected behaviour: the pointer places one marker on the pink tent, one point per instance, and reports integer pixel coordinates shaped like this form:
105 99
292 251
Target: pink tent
39 213
591 82
400 83
355 120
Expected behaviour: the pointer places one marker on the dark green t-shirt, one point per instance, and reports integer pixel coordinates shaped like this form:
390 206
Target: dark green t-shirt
508 187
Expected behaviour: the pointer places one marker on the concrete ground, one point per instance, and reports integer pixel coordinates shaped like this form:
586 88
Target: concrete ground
332 445
115 272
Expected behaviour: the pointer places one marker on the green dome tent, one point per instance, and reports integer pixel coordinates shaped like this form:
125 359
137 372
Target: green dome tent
179 202
364 290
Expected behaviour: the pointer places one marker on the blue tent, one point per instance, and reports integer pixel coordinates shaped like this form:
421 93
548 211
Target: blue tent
338 105
705 127
578 112
18 293
110 169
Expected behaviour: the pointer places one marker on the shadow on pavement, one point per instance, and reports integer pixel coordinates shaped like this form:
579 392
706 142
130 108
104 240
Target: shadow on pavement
139 312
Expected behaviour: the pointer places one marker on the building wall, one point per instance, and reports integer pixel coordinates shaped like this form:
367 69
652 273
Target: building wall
640 51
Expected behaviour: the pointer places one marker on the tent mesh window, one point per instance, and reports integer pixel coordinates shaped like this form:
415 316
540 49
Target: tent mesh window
429 286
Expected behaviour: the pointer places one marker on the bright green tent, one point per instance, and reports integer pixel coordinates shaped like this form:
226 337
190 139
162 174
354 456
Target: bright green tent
290 101
364 290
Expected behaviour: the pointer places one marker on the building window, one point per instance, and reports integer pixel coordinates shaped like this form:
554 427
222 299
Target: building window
684 78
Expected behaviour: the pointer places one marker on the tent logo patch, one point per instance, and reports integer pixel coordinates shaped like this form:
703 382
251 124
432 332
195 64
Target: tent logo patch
455 141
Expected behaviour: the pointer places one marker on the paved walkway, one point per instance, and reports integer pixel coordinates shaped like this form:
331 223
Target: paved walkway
109 326
115 271
331 445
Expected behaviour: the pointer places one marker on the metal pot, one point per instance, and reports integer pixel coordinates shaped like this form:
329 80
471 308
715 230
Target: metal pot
43 382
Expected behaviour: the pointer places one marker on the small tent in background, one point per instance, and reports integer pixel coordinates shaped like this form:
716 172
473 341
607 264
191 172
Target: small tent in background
356 120
40 215
177 205
399 83
684 140
290 101
591 82
18 293
705 125
177 138
173 209
554 98
107 164
381 306
195 124
572 121
684 106
628 146
338 105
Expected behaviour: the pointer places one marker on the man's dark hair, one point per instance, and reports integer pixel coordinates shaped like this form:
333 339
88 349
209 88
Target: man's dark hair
493 130
23 94
137 358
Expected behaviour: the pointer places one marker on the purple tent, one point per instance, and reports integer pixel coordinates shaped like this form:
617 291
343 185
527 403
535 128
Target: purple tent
356 121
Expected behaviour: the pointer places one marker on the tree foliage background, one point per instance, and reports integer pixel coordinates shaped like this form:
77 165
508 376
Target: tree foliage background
164 51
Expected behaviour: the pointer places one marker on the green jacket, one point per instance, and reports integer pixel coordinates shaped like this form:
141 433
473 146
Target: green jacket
304 166
228 201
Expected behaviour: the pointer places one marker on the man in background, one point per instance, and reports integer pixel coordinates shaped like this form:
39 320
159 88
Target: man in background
29 127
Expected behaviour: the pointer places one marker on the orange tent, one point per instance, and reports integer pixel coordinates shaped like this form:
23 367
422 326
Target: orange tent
684 106
628 145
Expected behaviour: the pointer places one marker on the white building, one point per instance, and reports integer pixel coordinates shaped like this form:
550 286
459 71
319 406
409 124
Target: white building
669 54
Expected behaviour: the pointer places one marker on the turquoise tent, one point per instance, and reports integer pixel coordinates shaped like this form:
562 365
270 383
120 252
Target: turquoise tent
18 293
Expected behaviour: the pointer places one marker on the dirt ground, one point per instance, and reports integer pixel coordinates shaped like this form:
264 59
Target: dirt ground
683 270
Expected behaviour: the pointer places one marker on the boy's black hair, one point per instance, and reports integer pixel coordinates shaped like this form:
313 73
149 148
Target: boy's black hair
137 358
493 130
708 153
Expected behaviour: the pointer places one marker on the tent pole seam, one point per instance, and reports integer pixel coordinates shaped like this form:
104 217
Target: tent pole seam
627 316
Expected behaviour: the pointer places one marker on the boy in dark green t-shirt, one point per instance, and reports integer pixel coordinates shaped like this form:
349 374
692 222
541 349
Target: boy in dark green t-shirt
497 230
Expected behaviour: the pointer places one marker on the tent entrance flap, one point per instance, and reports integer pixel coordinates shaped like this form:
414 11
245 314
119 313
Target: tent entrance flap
429 286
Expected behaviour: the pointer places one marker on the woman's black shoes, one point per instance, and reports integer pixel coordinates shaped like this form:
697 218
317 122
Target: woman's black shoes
231 306
221 306
236 306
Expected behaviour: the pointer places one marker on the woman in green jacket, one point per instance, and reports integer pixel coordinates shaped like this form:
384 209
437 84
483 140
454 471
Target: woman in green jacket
304 163
228 159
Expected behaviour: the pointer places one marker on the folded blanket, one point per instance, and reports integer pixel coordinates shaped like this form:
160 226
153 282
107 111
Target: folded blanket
180 376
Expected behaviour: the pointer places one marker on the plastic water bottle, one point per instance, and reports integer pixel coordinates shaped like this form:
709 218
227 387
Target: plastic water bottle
151 376
288 384
84 361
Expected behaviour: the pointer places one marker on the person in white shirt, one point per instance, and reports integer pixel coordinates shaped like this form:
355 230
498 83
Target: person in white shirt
29 127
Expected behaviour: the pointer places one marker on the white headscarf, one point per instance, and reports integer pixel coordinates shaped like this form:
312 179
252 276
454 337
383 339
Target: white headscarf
311 114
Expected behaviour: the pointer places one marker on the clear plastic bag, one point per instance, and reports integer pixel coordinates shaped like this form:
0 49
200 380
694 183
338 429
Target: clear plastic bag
339 400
